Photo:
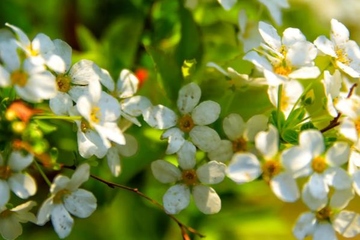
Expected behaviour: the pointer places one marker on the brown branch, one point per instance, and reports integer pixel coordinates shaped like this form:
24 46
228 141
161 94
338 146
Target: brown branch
184 229
335 122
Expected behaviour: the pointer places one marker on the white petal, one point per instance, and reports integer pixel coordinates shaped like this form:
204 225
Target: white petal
189 96
10 228
23 185
297 160
243 167
339 33
338 178
24 40
61 103
130 148
338 154
84 72
176 198
347 223
324 231
113 161
80 176
285 188
305 225
165 172
317 186
81 203
206 199
325 46
175 139
160 117
61 220
254 125
341 198
313 203
270 35
268 142
356 184
18 161
233 126
227 4
312 140
44 212
205 138
211 173
292 36
305 73
206 113
5 192
257 60
186 156
348 129
127 84
63 50
90 143
135 106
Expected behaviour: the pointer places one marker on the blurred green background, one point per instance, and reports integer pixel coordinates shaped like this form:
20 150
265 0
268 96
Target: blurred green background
134 34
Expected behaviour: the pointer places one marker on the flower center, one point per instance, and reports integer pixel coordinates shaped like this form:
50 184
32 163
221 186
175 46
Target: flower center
282 70
270 169
6 213
5 172
33 52
84 125
186 123
189 177
239 145
63 83
342 56
318 164
95 115
324 214
19 78
357 125
58 198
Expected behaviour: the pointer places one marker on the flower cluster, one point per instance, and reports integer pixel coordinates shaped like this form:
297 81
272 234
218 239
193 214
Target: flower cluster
300 157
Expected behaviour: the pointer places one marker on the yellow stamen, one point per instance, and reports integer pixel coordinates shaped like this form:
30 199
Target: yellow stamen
5 172
342 56
324 214
318 164
189 177
239 145
19 78
63 83
270 169
186 123
95 114
58 198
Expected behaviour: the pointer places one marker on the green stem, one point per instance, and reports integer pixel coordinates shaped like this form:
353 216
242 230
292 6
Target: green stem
43 174
71 118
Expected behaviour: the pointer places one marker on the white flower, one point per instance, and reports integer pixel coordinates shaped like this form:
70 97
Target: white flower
66 197
345 52
116 150
100 112
189 180
194 117
249 34
240 135
41 49
13 178
10 219
323 166
31 81
327 217
291 57
131 106
290 94
227 4
276 170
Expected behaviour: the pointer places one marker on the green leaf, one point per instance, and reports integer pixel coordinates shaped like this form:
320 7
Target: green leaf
307 125
295 117
290 136
45 127
277 119
170 72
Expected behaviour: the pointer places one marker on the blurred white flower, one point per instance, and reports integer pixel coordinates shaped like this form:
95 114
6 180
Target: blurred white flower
13 177
10 219
66 197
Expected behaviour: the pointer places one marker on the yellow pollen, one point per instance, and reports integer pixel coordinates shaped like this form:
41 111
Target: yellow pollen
32 51
318 164
270 169
19 78
63 83
342 57
239 145
282 70
186 123
58 198
324 214
95 114
189 177
84 125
